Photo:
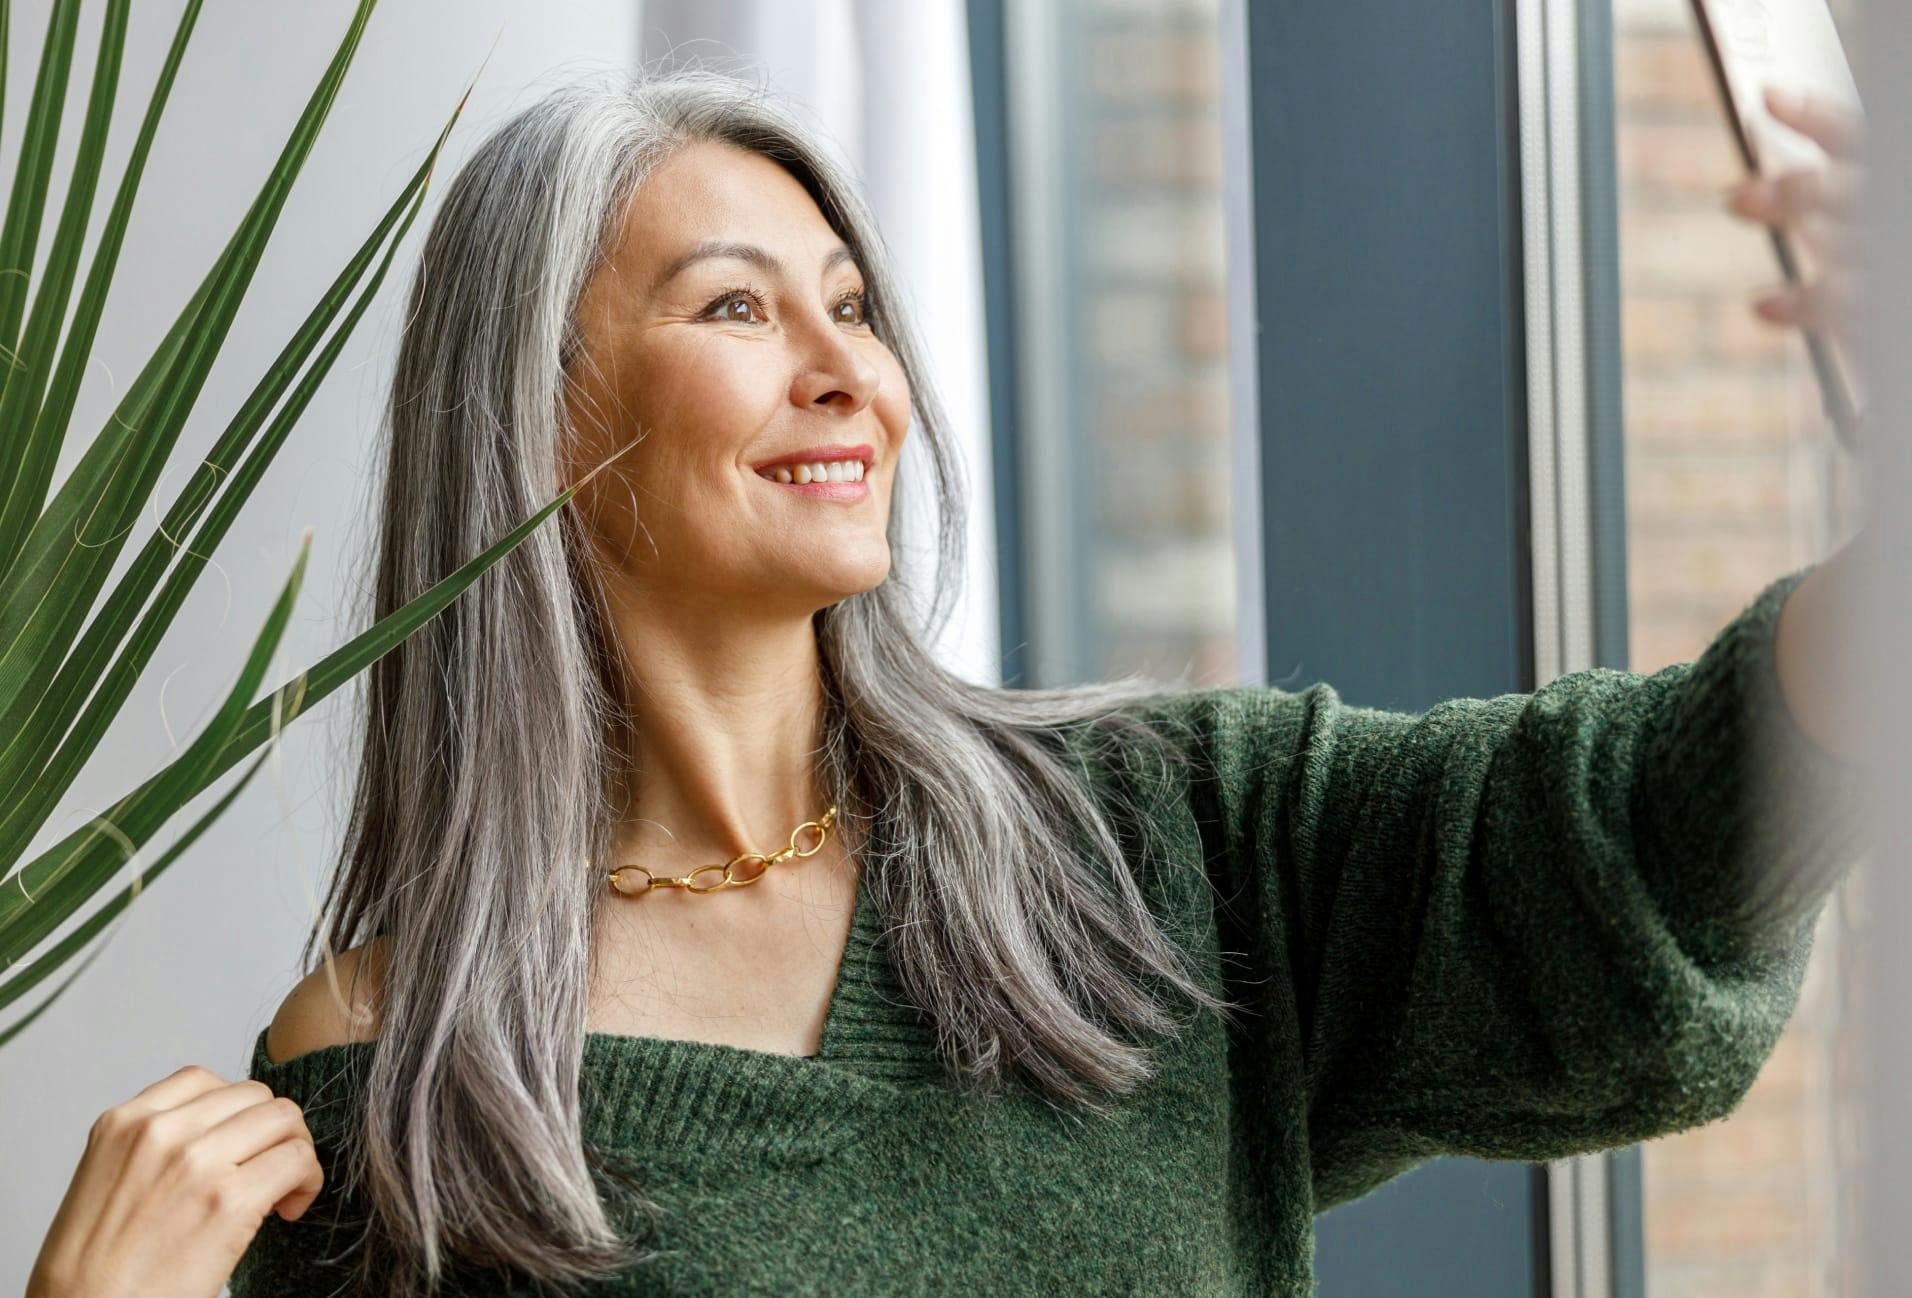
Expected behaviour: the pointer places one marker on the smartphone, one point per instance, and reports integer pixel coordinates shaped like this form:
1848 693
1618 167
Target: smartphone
1792 45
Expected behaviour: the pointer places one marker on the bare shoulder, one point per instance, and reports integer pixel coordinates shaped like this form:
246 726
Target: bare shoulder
336 1003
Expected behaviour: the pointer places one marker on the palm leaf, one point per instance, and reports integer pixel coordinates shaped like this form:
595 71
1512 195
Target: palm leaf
65 949
60 688
37 725
72 547
27 461
36 898
27 204
215 737
26 379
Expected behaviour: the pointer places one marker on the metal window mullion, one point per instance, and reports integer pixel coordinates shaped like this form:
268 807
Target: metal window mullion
1577 1193
1244 401
1536 234
1574 532
1548 60
1045 437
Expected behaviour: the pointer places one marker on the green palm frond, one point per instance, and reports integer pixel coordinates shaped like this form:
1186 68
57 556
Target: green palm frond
63 677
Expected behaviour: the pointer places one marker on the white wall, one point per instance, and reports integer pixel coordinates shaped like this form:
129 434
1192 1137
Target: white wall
197 966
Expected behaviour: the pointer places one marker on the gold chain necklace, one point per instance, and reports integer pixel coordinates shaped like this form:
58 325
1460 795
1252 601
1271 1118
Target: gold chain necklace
727 876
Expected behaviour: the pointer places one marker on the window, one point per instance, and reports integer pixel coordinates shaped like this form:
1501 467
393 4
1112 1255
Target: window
1122 436
1528 428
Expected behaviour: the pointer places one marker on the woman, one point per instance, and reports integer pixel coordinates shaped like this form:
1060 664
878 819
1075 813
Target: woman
1106 989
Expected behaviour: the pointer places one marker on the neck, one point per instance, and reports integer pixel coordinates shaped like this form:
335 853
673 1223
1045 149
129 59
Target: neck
725 724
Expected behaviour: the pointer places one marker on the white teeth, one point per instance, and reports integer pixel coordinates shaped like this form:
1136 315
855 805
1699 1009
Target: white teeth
830 471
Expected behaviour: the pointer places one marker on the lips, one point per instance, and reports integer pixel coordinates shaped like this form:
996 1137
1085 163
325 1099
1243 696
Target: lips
827 453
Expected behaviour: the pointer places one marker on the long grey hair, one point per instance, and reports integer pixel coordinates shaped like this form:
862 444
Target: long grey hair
479 831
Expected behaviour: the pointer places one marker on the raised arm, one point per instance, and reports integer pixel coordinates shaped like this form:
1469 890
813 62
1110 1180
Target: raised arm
1533 925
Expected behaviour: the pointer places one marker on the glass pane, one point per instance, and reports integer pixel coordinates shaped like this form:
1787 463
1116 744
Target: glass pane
1733 478
1116 131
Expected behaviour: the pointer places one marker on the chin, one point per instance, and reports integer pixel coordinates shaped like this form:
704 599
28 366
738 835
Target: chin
845 582
868 580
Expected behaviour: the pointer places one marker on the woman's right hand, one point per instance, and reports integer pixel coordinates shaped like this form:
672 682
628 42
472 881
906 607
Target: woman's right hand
172 1187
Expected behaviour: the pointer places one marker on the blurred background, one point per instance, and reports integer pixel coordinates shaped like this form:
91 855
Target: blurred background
1404 347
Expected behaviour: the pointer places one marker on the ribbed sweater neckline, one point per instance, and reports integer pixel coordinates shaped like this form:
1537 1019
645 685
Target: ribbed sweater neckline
665 1097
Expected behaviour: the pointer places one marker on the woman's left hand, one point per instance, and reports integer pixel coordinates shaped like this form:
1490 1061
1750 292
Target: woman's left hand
1820 208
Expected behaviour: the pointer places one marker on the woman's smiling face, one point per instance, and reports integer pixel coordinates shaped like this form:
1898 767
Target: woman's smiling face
728 328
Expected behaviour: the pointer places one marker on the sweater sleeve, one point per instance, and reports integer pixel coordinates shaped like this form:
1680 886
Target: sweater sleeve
1528 926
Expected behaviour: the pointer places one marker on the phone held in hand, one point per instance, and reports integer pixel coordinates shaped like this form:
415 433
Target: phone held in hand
1793 45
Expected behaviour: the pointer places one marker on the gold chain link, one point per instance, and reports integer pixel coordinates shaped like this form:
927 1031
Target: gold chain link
727 872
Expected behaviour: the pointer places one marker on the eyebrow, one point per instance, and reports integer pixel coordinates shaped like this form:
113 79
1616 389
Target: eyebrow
761 258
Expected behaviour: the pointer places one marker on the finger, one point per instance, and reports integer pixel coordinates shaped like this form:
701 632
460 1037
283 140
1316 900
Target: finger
1836 129
1834 190
245 1121
1822 306
1788 198
201 1116
254 1129
287 1178
175 1089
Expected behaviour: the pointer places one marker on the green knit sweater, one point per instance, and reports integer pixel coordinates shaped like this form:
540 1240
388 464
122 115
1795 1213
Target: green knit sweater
1522 927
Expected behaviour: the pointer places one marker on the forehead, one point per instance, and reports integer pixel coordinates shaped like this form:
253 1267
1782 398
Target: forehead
710 190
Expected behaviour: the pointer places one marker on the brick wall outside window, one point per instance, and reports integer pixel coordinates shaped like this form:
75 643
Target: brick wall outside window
1147 85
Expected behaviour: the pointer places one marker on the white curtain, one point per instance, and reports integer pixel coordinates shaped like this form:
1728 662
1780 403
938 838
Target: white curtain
886 85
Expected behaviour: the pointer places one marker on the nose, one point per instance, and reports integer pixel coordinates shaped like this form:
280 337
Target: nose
833 369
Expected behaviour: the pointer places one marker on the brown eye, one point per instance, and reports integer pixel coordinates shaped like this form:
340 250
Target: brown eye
731 302
852 309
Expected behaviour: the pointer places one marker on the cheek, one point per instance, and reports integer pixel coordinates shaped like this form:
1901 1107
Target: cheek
892 400
706 397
